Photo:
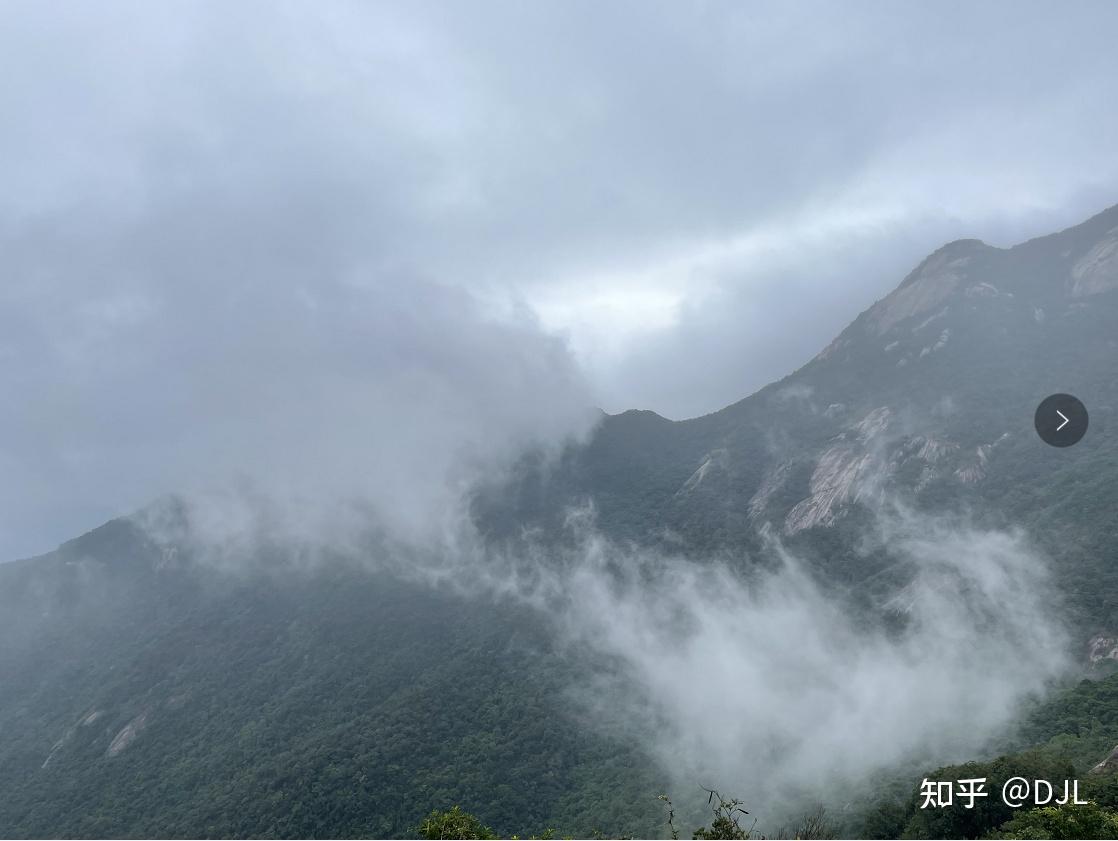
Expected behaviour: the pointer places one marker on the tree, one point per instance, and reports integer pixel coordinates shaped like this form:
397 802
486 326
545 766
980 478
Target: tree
454 823
727 819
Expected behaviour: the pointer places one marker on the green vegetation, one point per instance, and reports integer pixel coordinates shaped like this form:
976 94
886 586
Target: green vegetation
453 823
330 702
1067 821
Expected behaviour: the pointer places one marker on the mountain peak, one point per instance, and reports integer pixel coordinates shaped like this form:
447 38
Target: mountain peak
1041 277
956 249
928 286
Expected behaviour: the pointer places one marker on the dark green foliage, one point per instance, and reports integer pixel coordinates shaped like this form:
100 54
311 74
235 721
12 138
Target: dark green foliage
1080 723
453 823
1067 821
330 702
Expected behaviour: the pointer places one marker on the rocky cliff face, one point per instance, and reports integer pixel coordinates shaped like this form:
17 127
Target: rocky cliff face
1097 270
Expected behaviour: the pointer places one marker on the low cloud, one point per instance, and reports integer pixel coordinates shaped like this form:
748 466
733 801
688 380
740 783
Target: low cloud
759 680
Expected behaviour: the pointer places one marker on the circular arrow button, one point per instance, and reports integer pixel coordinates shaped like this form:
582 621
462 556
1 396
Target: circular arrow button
1061 420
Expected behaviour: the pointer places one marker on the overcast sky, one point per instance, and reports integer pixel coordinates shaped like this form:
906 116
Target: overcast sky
330 241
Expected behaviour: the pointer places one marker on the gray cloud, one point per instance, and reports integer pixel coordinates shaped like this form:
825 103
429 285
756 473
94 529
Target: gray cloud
318 244
773 688
183 367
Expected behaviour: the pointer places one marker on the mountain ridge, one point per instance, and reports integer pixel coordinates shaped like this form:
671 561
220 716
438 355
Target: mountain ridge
954 383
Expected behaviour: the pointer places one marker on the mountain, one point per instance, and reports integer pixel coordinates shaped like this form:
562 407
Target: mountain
928 396
144 693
